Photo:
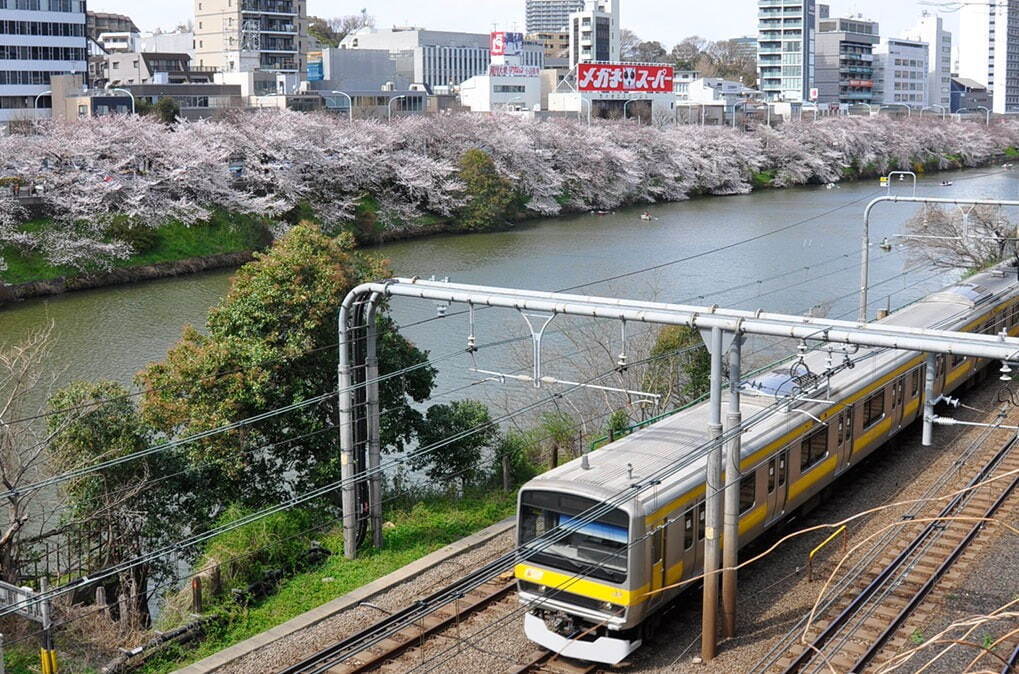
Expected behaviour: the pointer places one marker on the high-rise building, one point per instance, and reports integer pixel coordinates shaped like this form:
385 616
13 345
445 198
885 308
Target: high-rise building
595 33
786 48
931 30
900 72
104 22
844 69
550 16
252 35
38 40
989 34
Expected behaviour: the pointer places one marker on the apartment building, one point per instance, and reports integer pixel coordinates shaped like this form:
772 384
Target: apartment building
900 72
550 16
844 67
786 49
989 33
39 39
250 35
931 30
595 33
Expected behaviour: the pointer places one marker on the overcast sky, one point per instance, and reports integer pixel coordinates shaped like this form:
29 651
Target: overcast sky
667 21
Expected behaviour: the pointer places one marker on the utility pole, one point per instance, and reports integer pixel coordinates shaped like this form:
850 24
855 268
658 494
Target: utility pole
713 503
730 536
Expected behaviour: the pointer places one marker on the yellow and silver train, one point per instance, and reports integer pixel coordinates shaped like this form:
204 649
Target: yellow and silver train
786 461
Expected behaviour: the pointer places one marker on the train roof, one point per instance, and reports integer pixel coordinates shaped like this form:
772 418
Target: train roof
646 452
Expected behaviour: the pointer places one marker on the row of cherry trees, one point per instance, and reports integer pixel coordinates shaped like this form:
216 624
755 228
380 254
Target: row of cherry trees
94 173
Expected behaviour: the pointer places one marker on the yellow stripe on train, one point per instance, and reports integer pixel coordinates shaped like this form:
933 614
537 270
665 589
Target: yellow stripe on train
582 586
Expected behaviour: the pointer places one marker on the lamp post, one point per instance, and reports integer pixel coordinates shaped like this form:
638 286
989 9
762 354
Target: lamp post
590 107
389 106
909 111
932 107
974 109
115 89
47 92
626 104
350 104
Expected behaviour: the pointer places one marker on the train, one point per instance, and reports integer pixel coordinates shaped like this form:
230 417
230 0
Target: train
594 595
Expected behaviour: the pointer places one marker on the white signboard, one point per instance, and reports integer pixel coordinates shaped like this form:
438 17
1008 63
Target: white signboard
497 70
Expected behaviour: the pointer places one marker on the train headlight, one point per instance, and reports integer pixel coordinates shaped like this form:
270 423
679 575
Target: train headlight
542 589
609 607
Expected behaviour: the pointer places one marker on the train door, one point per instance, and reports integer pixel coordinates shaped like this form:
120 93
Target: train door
842 441
658 563
693 539
778 476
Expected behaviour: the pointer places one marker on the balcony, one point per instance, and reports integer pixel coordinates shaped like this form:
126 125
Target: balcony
269 6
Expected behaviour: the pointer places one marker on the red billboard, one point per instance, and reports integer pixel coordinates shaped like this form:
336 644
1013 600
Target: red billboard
624 77
507 44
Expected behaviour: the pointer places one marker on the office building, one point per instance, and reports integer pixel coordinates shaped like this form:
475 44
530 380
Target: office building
436 58
150 68
969 96
550 16
844 62
104 22
900 72
987 55
786 48
931 30
746 47
250 35
595 33
556 44
39 39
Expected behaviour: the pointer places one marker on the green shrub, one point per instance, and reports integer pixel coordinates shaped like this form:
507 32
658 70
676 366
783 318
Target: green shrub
141 238
761 179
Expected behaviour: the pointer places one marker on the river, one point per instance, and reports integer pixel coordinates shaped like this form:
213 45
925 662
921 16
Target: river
112 333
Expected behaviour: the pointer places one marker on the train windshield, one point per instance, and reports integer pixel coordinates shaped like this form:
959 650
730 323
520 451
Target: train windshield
554 532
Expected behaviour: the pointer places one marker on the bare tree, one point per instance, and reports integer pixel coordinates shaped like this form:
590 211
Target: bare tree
24 387
330 32
961 238
628 42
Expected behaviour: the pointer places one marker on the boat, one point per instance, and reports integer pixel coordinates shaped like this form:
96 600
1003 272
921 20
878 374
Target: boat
646 216
946 183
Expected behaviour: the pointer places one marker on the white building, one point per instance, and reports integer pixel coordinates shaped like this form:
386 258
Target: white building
931 30
38 39
168 43
595 34
716 91
986 55
509 85
786 48
437 58
900 72
550 16
118 43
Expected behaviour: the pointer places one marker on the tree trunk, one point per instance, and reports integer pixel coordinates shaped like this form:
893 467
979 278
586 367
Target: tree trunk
505 472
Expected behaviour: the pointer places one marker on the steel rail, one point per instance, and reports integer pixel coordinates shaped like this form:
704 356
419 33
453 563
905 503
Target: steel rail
863 596
938 574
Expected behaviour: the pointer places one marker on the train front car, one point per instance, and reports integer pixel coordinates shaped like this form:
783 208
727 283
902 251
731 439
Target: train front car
578 574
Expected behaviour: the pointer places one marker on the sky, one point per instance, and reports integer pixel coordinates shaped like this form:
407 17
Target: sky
667 21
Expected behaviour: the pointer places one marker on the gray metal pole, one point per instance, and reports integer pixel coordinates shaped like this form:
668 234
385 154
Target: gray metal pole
374 430
713 503
865 265
730 534
928 401
346 421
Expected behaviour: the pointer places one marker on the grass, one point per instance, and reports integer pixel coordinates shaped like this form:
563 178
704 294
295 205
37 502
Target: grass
419 530
762 179
222 234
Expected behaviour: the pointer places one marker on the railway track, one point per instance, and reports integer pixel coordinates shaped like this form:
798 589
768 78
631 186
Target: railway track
542 660
873 609
374 646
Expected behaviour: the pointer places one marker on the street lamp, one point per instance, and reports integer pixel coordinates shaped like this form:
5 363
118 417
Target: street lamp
126 92
350 104
931 107
626 104
975 108
590 107
47 92
389 106
909 111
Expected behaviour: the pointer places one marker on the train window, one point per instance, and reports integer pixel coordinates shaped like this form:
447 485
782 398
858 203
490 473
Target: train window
939 365
915 383
688 530
747 493
781 470
771 476
700 522
814 449
873 409
848 436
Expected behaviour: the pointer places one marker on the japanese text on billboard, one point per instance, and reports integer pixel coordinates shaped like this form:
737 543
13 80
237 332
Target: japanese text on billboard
496 70
624 77
507 44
